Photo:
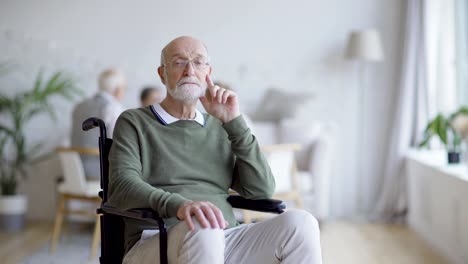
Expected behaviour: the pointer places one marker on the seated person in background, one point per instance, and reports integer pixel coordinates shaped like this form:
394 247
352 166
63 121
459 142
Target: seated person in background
151 95
180 162
105 105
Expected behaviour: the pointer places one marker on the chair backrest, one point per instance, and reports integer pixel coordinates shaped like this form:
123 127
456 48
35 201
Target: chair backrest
281 158
281 163
73 172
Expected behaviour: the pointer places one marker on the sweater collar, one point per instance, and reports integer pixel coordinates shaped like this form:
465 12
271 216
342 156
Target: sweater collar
165 118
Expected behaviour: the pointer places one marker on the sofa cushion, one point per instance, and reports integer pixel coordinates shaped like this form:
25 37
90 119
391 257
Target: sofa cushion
277 105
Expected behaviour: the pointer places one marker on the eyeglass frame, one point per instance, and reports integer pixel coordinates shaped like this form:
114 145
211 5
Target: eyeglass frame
187 61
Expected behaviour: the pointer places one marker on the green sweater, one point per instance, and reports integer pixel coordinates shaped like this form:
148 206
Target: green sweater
162 166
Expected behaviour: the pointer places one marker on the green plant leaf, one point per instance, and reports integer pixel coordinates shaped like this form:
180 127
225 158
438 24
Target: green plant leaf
20 109
425 142
7 130
3 141
439 126
5 103
442 132
37 83
34 150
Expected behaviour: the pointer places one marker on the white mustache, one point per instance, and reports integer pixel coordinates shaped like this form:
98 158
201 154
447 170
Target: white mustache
190 80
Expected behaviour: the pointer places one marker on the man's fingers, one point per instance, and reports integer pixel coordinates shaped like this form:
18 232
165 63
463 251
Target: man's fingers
219 217
211 216
219 95
206 213
201 217
214 90
209 81
222 95
188 219
226 96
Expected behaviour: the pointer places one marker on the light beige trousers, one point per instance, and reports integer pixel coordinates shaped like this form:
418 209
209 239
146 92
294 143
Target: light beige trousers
292 237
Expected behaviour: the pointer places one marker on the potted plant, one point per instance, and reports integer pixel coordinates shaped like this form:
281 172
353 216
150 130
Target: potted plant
449 130
17 154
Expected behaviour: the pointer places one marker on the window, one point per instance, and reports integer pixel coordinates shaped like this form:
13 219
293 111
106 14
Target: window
461 38
446 31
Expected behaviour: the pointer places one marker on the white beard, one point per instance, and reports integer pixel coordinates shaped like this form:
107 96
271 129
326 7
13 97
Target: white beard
187 92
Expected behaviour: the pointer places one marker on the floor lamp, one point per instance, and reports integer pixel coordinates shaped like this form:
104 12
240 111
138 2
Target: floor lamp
363 47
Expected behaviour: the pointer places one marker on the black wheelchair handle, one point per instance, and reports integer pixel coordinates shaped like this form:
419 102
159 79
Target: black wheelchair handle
93 122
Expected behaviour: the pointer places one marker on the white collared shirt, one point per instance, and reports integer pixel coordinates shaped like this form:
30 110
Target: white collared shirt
167 118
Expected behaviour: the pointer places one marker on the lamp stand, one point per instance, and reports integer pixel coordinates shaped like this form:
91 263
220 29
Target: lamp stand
362 136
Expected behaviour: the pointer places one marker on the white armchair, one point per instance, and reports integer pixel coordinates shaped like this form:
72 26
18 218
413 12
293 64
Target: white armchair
314 159
75 188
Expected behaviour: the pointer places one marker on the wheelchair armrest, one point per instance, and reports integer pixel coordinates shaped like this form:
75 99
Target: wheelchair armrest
261 205
146 214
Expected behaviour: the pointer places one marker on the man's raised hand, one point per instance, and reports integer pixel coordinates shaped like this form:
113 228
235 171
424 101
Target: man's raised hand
223 104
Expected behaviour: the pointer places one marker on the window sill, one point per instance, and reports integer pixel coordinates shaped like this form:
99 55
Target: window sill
437 159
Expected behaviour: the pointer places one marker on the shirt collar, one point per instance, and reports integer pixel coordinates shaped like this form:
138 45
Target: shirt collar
167 118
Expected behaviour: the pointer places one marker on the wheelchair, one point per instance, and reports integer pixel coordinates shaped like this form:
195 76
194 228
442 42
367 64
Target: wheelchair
112 218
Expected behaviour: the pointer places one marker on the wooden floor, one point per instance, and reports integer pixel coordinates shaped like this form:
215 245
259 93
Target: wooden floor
14 247
376 244
342 242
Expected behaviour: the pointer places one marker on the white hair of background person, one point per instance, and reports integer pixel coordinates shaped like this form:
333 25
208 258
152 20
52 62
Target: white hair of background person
111 80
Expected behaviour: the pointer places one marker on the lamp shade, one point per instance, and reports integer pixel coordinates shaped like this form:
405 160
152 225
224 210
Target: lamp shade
365 45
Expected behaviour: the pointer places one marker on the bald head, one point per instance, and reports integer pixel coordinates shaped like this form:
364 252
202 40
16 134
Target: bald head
187 43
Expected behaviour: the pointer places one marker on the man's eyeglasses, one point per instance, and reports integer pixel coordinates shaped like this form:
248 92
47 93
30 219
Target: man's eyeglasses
197 63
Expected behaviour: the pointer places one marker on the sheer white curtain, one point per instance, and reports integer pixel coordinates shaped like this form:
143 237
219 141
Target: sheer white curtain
411 113
431 69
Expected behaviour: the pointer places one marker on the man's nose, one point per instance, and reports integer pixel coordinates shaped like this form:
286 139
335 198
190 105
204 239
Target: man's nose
189 69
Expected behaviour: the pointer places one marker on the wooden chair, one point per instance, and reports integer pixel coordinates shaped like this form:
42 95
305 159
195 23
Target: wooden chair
76 187
283 165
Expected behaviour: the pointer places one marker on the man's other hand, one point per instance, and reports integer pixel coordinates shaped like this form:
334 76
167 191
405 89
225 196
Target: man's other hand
207 214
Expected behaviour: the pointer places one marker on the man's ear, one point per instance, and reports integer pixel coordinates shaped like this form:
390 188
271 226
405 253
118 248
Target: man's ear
161 74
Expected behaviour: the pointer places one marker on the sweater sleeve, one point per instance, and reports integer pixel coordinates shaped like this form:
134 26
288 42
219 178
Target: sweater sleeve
253 178
127 189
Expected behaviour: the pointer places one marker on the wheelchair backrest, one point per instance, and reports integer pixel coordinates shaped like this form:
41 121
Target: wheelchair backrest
112 227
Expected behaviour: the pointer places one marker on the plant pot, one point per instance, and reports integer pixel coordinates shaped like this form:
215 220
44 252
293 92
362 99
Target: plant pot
453 157
12 211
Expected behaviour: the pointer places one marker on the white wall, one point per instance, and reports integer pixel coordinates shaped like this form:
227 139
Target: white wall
294 45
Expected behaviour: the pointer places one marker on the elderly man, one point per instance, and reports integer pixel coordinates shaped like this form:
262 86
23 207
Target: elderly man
180 162
105 105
